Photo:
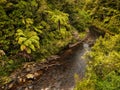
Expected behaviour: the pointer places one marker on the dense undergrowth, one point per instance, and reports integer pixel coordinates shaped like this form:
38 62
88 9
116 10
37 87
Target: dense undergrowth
103 67
32 30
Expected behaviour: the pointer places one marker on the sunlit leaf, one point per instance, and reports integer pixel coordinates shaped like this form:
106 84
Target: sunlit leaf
22 47
28 50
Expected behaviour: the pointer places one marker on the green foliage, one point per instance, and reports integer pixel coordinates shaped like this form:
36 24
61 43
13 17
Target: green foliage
82 18
104 13
44 27
28 40
6 66
111 82
104 59
103 66
79 18
2 1
58 39
42 17
59 18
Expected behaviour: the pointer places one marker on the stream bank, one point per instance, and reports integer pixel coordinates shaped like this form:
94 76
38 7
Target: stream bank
55 74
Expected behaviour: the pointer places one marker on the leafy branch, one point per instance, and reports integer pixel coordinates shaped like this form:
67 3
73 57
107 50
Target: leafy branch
27 40
59 18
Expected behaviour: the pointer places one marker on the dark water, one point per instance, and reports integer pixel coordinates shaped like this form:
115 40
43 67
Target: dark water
62 77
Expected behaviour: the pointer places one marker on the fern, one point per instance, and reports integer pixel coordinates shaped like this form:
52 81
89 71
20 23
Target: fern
27 40
59 18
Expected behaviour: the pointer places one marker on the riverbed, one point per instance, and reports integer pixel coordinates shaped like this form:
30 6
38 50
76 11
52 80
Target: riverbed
56 74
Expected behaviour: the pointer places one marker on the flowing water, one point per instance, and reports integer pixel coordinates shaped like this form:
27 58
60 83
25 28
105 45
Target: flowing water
59 76
62 77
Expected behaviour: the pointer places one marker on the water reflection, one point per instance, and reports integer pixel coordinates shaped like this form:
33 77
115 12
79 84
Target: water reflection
86 47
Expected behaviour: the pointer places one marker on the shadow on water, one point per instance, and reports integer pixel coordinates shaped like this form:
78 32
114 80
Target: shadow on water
58 76
62 77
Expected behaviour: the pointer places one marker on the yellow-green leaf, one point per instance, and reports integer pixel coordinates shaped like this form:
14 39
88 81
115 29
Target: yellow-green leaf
32 47
22 47
38 30
28 50
28 42
21 40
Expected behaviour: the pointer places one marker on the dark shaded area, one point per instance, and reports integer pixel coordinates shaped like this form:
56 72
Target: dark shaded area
62 77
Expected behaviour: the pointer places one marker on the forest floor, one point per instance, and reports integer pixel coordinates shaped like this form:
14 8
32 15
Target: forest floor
57 73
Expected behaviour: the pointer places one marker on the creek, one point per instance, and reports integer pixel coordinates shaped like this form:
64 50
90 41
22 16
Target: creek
62 77
57 74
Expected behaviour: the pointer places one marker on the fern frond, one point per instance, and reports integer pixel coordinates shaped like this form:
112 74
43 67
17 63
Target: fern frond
28 42
19 30
28 50
21 40
20 34
35 37
34 41
38 30
31 46
22 47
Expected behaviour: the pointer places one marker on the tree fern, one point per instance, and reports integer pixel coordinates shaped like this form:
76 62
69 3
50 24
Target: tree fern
59 18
